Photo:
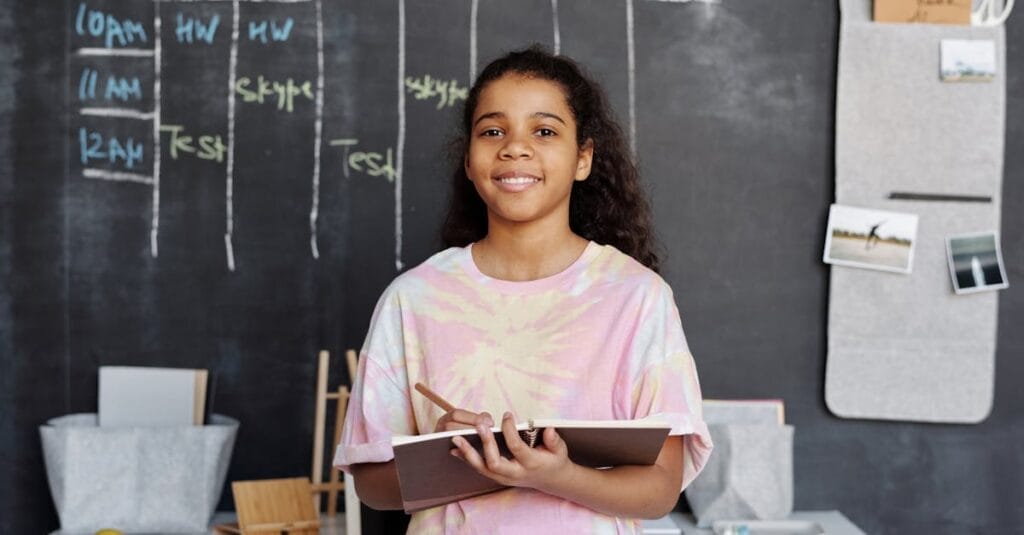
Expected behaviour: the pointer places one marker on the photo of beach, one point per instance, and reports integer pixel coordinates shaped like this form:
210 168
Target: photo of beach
870 239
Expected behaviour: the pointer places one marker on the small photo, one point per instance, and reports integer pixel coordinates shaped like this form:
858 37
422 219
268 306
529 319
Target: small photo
967 60
871 239
975 262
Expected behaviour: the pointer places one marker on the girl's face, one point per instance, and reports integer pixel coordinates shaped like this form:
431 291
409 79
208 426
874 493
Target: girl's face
523 158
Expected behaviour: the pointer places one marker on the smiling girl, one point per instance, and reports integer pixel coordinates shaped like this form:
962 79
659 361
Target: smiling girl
546 304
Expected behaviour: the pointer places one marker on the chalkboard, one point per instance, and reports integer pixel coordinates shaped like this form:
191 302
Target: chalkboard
176 194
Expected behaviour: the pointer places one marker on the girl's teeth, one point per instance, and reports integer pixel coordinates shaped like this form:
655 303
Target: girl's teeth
518 180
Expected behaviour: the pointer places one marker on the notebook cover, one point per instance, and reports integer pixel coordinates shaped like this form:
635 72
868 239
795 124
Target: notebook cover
430 476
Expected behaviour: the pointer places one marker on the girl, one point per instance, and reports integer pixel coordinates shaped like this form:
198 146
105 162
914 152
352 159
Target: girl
546 304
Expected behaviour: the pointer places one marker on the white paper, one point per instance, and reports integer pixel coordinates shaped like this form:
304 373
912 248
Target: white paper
139 396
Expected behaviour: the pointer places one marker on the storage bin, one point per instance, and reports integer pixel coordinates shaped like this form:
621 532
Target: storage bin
136 479
749 475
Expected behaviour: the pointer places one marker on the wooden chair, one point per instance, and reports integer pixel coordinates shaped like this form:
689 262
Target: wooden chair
273 506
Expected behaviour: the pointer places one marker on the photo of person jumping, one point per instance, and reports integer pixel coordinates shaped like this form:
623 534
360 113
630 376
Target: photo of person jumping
873 239
873 234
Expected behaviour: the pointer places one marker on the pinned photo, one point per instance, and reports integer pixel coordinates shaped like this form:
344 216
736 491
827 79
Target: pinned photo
975 262
870 239
968 60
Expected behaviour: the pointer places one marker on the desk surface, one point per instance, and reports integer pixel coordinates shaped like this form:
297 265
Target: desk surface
328 525
832 522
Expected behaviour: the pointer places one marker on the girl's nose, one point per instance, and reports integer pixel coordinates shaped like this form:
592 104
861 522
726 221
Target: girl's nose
516 147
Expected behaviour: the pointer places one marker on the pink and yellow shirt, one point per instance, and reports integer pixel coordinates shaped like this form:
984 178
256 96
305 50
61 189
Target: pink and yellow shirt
601 340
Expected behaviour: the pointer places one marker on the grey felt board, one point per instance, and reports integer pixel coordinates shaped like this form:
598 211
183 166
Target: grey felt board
905 347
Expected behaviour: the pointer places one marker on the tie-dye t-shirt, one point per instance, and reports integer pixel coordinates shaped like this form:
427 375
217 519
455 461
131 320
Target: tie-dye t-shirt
600 340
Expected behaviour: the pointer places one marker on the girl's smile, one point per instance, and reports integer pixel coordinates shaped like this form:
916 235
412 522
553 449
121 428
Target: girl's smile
516 181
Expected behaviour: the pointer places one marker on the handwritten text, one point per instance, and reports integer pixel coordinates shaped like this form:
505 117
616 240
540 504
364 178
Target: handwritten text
425 87
97 24
206 147
94 146
284 91
371 163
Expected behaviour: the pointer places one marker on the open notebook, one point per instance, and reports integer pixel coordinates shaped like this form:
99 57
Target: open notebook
430 476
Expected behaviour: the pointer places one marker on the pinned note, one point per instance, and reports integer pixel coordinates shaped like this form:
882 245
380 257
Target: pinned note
931 11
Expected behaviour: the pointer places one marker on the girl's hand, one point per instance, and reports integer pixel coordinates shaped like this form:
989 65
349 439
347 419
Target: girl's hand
541 468
462 419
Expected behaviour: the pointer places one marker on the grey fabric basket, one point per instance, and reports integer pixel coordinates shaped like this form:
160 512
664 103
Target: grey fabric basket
136 479
748 477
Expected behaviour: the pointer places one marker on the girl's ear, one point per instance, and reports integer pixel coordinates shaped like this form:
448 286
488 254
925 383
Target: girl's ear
465 165
584 159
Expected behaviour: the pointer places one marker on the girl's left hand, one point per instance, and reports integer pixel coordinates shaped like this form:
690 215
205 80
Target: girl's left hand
540 467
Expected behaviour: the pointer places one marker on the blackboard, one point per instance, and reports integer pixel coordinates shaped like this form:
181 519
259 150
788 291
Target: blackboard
729 105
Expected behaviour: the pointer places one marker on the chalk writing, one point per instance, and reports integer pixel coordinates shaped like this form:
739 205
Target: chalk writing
191 29
256 91
115 88
370 163
114 97
206 147
94 146
87 84
425 87
99 24
258 30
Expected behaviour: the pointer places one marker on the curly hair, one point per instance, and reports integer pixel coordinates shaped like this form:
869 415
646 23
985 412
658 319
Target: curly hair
610 207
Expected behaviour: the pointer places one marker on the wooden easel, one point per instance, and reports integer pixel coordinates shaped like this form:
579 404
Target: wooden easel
334 485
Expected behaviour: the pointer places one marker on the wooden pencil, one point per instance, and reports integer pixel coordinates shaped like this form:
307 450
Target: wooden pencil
432 396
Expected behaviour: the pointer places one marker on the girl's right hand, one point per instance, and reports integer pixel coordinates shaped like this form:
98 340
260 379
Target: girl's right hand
463 419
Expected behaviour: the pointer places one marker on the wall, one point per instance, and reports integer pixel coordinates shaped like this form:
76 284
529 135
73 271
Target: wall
732 109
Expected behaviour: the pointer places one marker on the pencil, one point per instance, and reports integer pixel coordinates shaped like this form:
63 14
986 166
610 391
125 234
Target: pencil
432 396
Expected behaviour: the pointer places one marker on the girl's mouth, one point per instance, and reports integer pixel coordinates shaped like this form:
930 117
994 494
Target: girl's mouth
515 182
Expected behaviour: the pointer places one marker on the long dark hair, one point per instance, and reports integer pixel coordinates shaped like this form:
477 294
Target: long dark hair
610 207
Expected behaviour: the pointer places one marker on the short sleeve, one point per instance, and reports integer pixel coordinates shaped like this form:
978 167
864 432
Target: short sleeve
666 386
379 406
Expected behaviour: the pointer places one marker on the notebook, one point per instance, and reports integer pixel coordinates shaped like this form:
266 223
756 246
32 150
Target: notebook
143 396
430 476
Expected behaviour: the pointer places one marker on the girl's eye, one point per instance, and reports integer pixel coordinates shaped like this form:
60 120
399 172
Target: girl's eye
544 132
491 132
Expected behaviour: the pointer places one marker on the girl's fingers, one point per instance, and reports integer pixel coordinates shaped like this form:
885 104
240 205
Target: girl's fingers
485 419
441 424
515 443
470 455
445 423
488 461
462 419
465 417
452 426
489 445
470 419
553 442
